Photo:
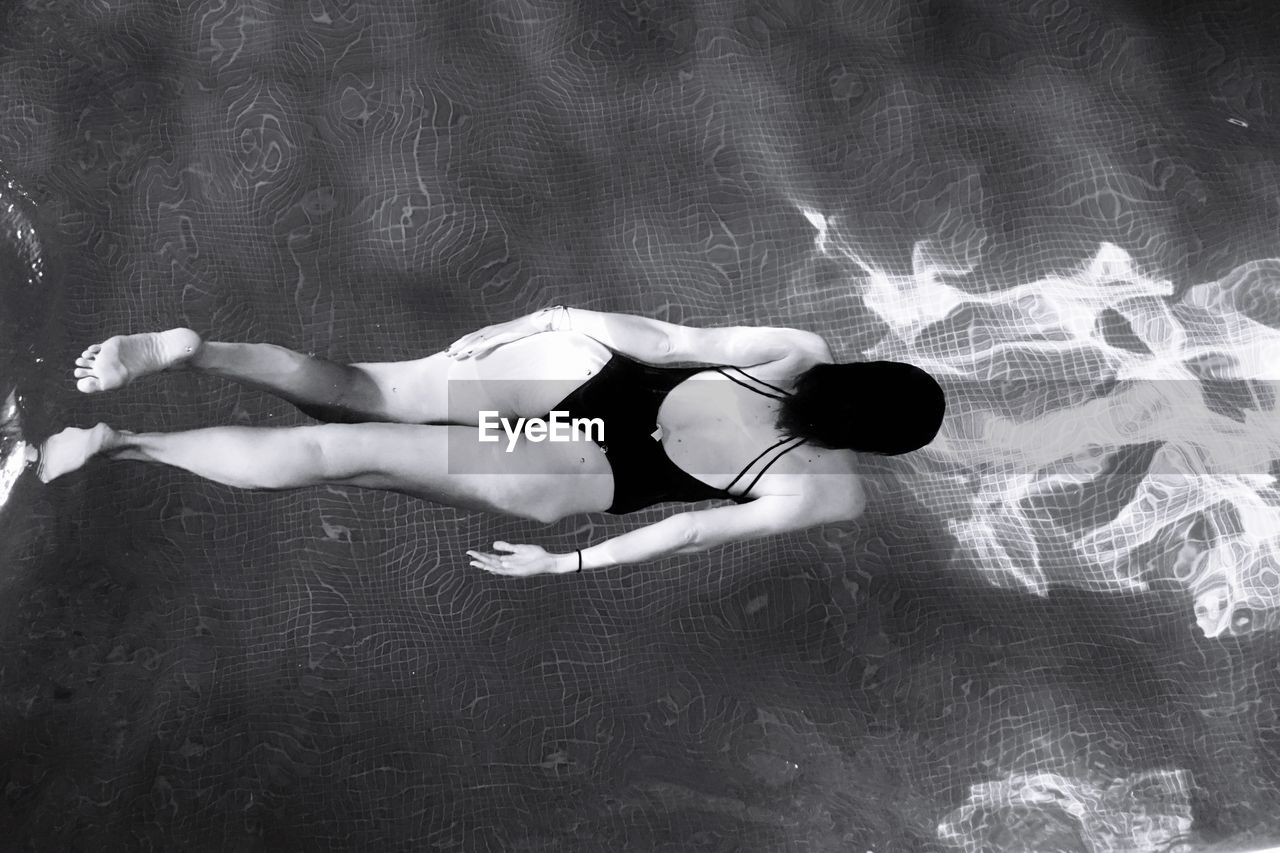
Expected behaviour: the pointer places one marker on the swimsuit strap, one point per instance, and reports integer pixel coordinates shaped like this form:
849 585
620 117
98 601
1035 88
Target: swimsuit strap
779 396
768 449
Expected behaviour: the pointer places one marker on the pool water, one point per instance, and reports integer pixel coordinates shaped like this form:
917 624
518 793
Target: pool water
1054 629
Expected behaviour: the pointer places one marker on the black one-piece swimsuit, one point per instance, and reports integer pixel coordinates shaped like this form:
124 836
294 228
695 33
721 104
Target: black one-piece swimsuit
626 395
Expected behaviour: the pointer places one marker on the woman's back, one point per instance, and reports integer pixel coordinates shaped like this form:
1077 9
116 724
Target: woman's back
715 423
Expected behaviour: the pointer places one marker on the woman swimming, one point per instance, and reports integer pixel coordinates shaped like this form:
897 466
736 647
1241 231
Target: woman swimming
669 434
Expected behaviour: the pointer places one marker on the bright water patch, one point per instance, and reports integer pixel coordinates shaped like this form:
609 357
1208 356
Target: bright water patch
1043 406
22 288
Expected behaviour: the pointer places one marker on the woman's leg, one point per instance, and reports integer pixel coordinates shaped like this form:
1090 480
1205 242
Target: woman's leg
448 464
431 390
323 389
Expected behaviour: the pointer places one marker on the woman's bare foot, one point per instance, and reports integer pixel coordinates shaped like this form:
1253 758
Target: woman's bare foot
119 360
70 449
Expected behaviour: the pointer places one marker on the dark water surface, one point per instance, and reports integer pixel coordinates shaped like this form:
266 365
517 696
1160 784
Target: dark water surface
185 666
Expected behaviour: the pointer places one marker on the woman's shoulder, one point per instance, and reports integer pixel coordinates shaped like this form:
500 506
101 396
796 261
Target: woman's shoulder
789 368
828 480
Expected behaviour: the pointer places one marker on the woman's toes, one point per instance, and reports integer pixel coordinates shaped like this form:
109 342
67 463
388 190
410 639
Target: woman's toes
84 362
89 385
81 372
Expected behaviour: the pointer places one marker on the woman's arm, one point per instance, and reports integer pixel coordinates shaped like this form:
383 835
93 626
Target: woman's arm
659 342
686 533
655 341
639 337
691 532
629 334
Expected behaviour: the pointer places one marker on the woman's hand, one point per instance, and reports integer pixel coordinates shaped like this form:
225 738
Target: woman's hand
482 341
523 561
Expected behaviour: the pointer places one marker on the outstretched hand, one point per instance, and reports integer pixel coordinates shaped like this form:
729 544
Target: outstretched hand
481 341
523 561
